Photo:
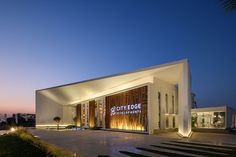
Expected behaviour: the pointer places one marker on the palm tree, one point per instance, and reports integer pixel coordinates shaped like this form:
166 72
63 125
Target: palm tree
228 5
57 119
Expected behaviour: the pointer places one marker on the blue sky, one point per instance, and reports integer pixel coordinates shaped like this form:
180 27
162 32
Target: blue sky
46 43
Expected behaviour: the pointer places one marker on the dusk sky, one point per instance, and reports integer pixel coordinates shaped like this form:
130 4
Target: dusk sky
45 43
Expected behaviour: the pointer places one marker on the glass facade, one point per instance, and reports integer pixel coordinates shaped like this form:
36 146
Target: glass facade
208 120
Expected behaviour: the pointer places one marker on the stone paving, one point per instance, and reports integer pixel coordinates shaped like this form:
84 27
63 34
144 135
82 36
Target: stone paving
92 143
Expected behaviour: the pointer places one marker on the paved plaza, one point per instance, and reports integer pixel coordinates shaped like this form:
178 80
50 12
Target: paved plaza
94 143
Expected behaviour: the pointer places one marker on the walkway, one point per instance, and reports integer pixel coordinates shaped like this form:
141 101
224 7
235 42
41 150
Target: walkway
92 143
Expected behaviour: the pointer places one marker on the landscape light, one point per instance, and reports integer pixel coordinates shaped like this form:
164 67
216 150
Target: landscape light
12 129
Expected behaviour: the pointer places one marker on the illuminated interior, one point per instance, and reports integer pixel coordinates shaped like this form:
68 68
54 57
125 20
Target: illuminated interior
208 120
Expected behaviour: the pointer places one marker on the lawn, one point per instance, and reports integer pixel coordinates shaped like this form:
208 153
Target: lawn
23 144
13 146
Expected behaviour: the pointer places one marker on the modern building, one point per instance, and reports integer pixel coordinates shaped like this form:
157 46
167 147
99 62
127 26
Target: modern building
21 119
222 117
154 98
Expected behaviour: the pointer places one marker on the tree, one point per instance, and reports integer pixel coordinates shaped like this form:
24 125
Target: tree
228 4
57 119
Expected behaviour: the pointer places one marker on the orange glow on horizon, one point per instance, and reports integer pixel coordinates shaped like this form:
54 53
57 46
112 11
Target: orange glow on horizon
17 97
12 107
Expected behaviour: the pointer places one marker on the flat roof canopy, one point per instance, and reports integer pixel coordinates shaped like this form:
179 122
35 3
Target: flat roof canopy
209 109
84 90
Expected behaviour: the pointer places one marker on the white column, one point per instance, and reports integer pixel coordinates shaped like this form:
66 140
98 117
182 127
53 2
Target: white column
149 107
184 106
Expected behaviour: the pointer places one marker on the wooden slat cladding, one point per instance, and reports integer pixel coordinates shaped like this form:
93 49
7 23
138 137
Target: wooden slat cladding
92 105
78 110
127 120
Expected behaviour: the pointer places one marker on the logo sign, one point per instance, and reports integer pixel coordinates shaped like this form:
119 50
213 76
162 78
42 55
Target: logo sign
126 109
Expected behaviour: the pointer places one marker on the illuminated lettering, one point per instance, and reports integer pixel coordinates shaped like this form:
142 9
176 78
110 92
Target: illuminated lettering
126 109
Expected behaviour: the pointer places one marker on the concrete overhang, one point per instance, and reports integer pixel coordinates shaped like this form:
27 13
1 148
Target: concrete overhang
210 109
73 93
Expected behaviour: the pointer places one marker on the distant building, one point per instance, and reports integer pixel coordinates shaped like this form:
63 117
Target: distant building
3 118
22 119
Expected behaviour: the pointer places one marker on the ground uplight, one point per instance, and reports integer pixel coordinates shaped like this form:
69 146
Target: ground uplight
12 129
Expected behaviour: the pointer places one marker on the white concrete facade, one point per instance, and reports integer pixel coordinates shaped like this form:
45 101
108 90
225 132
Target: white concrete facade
169 96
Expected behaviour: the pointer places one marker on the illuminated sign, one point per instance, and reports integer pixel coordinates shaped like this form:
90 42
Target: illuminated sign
126 109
